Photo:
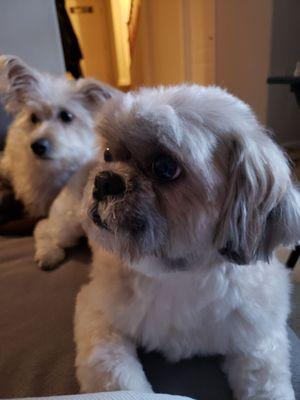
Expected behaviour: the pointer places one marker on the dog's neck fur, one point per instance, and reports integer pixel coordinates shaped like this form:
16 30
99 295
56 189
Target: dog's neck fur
156 267
136 303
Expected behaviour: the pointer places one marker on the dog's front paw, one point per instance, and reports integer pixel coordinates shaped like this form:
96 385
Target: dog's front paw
136 384
101 374
50 257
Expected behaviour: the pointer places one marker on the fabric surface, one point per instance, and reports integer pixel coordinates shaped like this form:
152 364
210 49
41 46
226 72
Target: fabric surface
36 321
295 362
294 320
115 396
36 334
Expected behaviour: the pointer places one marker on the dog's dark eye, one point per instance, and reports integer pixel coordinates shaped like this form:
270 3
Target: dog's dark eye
65 116
34 119
165 168
107 155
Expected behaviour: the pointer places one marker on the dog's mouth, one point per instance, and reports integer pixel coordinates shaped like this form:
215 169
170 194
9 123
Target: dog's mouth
96 218
135 225
44 158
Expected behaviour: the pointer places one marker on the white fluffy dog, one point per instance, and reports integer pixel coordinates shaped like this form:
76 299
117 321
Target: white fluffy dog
190 202
51 136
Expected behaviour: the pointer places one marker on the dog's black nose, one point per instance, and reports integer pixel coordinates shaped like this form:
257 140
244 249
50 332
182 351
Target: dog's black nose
108 183
41 147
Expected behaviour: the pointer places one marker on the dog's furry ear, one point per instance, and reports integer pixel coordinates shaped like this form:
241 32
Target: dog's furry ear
94 93
18 82
262 207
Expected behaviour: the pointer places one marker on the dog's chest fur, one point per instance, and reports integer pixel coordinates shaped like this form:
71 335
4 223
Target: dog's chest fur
168 316
184 314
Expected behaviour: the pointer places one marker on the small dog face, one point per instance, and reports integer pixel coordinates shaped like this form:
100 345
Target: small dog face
189 174
52 132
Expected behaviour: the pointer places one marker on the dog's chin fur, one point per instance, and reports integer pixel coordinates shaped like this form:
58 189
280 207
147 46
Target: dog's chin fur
25 91
146 250
200 276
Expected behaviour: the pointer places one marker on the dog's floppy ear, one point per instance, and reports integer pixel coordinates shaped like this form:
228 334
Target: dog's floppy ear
262 207
18 82
94 93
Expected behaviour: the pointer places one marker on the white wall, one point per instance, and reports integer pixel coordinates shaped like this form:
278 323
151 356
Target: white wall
29 29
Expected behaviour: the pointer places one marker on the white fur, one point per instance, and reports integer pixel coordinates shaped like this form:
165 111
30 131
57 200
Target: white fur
232 206
63 227
36 181
216 310
213 305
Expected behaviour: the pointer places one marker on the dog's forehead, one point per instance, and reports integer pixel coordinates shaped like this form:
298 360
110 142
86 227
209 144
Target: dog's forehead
182 118
145 129
54 91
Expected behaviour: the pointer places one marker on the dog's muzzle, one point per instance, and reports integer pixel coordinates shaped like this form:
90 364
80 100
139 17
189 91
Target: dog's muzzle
107 184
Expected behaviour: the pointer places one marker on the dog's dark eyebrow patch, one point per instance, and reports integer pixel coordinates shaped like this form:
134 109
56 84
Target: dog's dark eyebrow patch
136 134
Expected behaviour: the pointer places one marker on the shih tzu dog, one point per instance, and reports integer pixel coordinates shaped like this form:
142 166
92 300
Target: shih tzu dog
186 206
51 136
